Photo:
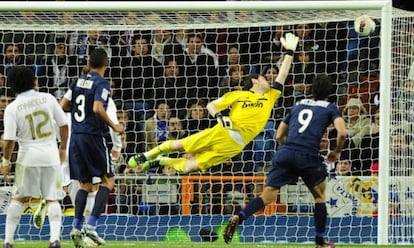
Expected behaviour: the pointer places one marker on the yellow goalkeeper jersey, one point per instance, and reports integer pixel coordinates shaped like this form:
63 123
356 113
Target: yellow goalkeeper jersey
249 111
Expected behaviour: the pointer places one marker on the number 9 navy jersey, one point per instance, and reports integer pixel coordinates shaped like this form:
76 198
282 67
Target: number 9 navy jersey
307 122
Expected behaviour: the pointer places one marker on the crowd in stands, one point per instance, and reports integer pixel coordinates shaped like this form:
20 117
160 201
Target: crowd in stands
162 80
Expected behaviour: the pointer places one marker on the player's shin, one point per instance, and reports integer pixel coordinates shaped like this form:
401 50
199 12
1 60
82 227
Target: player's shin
55 220
320 215
164 148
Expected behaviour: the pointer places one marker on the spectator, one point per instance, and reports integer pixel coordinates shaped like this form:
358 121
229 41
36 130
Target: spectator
303 73
404 106
369 147
55 74
138 72
233 58
234 81
357 122
172 86
162 45
343 165
197 117
32 43
12 57
155 127
175 129
401 160
272 49
199 68
284 103
86 43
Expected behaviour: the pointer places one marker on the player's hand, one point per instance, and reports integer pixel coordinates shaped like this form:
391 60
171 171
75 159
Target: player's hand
119 128
290 41
5 170
62 154
224 120
116 155
332 157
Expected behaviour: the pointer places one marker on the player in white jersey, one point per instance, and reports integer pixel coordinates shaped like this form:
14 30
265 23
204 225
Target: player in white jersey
30 120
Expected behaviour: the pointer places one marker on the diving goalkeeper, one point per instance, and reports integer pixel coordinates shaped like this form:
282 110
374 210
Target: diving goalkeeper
250 110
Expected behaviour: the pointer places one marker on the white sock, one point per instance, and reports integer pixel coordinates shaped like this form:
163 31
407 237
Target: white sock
90 201
55 219
14 212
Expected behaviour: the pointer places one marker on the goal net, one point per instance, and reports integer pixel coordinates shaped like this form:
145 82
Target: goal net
169 64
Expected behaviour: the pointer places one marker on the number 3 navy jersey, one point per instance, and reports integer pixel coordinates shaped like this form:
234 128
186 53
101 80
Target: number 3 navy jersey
307 122
87 89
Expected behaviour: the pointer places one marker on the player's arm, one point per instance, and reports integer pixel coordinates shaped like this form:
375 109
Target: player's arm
98 109
281 133
8 147
213 110
340 127
64 134
116 137
65 101
290 43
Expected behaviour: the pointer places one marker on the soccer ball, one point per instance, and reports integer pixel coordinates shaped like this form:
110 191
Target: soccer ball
364 25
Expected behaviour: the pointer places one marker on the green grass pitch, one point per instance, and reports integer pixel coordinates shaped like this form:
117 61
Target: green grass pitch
142 244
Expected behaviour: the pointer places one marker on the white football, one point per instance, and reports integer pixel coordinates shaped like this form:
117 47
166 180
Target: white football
364 25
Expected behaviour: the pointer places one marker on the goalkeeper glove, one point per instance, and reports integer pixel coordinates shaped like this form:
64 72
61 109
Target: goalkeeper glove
289 42
224 120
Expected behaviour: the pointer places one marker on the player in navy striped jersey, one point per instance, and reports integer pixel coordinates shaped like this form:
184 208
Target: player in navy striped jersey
89 155
299 136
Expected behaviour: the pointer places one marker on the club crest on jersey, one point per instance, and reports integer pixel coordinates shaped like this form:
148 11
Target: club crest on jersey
105 94
249 104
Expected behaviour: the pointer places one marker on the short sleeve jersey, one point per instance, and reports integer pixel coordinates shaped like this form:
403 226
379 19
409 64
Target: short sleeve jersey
249 111
31 120
87 89
307 122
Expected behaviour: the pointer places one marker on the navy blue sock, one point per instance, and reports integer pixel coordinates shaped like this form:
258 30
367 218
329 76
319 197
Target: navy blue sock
80 203
101 199
320 222
252 207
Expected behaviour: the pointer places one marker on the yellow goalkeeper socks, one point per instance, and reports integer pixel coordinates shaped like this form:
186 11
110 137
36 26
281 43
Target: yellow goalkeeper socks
164 148
177 164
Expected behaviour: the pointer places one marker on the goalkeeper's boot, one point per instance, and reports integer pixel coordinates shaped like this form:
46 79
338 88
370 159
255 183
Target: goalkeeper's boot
90 232
326 245
77 237
55 244
39 215
136 160
230 228
7 245
151 164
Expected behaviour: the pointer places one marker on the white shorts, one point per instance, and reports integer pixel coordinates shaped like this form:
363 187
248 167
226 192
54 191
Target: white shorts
45 182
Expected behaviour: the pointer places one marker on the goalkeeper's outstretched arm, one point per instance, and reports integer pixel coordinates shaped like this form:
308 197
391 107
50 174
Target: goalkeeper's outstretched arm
290 43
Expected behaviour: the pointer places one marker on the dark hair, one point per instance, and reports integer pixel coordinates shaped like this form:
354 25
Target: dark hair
21 78
321 87
247 81
98 58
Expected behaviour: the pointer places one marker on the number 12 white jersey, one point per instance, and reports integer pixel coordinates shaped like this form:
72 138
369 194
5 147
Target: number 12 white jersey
30 120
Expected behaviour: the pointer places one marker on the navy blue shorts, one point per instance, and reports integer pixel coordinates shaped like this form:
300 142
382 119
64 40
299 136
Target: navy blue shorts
89 157
288 165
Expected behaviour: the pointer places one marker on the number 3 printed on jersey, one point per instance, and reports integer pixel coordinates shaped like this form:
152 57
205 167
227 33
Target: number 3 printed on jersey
80 113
